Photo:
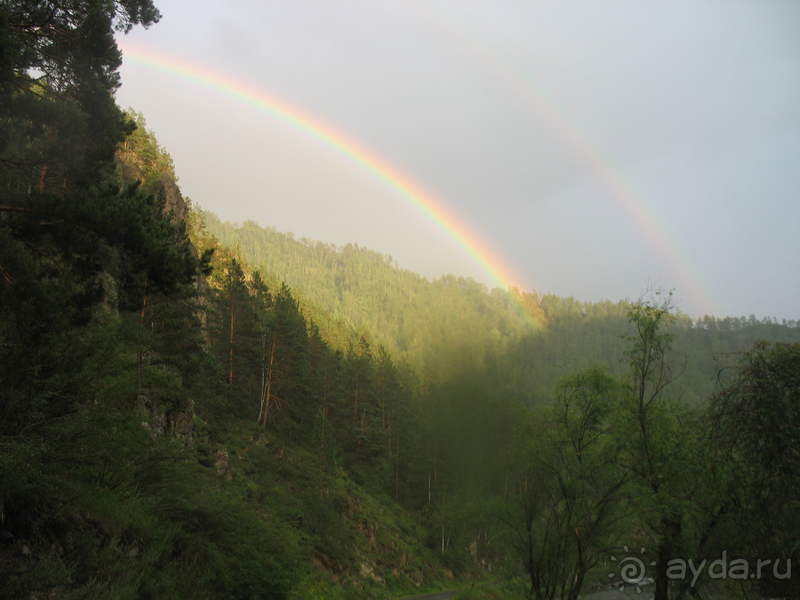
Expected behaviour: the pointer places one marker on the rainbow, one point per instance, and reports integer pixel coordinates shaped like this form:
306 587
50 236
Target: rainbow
598 160
475 248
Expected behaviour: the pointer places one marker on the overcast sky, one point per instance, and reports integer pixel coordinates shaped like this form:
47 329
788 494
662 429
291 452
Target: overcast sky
592 146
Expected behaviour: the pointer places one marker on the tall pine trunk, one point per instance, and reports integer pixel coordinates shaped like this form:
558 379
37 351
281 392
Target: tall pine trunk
270 371
140 351
322 432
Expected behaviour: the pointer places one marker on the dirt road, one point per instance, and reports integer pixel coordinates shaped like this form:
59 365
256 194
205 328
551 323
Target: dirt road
437 596
612 594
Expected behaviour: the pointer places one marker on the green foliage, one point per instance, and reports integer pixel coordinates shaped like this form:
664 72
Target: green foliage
654 440
755 424
141 158
570 489
100 495
477 364
423 321
58 72
448 325
616 461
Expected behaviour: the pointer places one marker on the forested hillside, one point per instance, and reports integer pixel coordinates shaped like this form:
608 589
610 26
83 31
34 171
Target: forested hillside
525 340
170 426
195 410
417 318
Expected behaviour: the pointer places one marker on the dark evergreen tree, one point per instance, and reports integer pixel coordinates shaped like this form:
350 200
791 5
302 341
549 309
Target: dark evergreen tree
58 72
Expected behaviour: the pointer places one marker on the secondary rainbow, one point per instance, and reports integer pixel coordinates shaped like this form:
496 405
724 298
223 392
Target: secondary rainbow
634 203
468 241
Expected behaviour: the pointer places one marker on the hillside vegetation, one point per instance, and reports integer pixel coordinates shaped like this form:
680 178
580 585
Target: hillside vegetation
528 340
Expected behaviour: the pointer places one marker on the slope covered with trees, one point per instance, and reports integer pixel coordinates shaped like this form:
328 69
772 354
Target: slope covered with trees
411 316
134 461
450 324
630 381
